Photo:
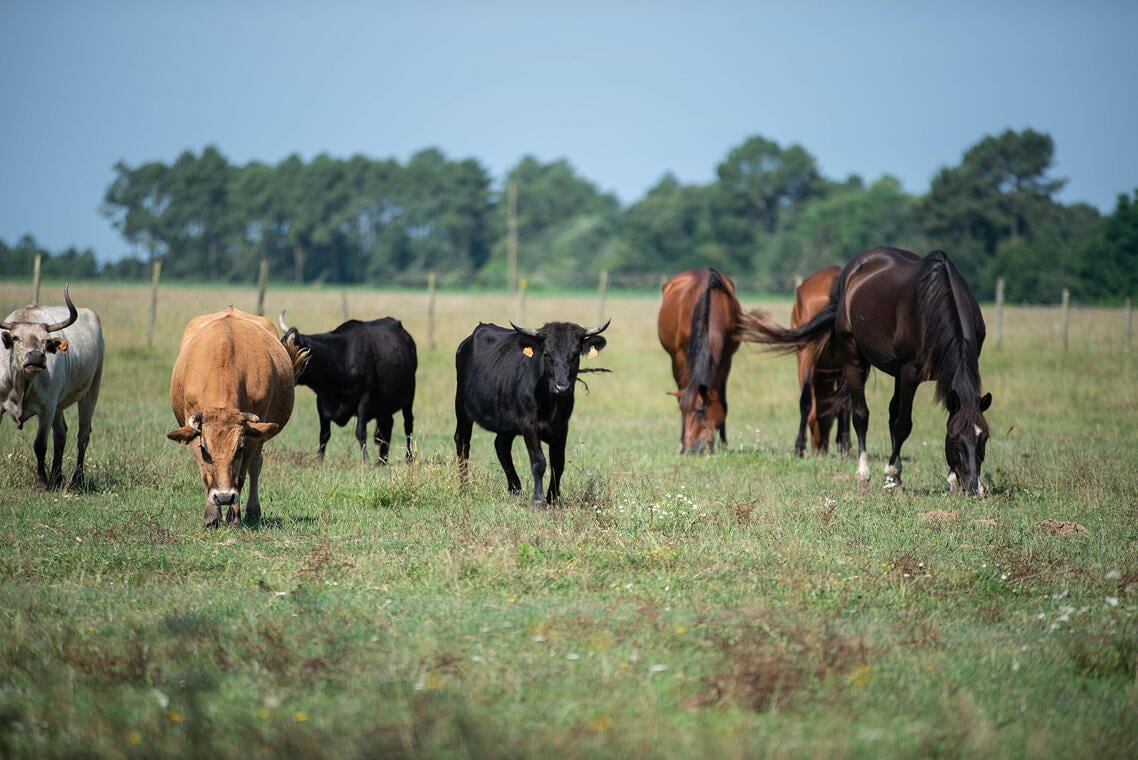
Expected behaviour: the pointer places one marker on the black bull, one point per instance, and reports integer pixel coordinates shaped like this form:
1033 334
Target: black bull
520 382
361 369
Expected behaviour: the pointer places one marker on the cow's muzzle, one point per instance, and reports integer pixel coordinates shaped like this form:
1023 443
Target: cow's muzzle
35 362
222 498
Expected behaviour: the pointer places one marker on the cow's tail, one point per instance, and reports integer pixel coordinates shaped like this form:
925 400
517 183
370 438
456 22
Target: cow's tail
756 326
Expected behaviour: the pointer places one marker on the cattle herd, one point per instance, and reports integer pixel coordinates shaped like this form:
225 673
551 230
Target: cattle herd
233 383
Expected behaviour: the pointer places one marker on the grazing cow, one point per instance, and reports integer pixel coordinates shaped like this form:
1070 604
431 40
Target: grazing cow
696 325
822 400
366 369
231 390
52 358
520 382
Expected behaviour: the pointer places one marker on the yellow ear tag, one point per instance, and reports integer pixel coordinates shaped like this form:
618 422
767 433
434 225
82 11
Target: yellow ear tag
593 352
527 351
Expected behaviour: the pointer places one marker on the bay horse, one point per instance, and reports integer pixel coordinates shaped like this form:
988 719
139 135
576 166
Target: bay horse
696 325
913 318
823 399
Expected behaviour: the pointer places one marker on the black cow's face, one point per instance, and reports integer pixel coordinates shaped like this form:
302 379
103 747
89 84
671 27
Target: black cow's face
561 346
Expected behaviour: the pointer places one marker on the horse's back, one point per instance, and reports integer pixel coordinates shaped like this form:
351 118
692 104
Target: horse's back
877 306
681 294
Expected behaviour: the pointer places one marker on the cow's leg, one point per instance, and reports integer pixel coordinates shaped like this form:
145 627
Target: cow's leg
39 446
325 427
253 505
361 431
408 430
556 466
383 428
462 432
900 420
58 441
212 516
86 413
503 443
537 466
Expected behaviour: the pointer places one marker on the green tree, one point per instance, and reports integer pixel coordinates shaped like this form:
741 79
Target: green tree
1110 260
136 202
991 197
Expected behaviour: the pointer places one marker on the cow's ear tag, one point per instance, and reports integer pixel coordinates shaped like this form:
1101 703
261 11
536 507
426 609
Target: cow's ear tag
593 352
528 351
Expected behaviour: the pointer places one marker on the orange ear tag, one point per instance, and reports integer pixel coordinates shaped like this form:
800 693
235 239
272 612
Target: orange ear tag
593 352
527 351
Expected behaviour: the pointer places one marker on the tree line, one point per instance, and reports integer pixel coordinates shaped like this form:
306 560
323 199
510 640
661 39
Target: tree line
769 217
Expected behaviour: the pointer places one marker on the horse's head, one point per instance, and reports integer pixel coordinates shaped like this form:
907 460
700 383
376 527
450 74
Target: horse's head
964 442
703 414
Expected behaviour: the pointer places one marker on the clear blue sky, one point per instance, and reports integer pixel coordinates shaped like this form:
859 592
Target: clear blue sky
624 90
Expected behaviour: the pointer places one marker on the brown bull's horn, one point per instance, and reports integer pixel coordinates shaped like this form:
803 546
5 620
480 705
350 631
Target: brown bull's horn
598 330
71 317
281 320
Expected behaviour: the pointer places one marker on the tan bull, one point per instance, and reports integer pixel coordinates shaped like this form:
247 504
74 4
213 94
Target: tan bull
231 390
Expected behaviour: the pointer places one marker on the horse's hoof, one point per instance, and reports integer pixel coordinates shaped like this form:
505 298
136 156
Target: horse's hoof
892 483
863 486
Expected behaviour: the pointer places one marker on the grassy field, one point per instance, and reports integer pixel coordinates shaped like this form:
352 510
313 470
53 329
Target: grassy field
749 604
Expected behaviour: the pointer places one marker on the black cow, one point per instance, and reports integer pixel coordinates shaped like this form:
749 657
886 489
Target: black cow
365 369
520 382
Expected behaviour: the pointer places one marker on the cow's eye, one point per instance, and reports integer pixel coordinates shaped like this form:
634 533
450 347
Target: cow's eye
205 455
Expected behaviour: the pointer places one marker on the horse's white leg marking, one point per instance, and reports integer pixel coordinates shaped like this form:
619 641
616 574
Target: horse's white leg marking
863 466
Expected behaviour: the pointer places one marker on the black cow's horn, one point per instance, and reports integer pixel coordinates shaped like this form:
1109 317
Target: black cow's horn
71 317
281 319
598 330
525 331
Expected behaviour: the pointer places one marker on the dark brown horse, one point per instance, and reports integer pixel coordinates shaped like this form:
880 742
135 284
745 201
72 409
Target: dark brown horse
823 399
697 323
915 319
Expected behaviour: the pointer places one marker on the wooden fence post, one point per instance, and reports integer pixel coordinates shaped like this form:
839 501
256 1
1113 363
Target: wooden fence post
153 317
262 281
343 306
36 278
1066 315
999 312
432 281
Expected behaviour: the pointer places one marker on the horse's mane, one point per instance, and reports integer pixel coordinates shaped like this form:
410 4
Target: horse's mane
954 328
701 365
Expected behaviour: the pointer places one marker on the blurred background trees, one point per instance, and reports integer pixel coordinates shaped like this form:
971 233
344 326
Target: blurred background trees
767 218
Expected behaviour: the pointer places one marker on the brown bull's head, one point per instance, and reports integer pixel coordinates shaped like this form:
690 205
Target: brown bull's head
31 342
225 442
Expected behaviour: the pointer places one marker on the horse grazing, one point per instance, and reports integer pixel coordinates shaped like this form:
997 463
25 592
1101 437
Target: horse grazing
823 399
915 319
697 324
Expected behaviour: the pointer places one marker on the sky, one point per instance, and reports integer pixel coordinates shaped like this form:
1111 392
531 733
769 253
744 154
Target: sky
625 91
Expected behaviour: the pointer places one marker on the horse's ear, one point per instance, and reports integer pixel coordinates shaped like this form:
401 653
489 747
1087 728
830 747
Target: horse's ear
985 402
952 403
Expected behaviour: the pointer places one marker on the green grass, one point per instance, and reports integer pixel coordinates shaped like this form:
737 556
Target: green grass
747 604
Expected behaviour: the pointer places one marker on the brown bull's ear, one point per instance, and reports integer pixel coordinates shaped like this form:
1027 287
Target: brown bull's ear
183 434
56 344
261 430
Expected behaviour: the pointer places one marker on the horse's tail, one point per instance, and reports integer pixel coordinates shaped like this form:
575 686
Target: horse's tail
757 327
954 325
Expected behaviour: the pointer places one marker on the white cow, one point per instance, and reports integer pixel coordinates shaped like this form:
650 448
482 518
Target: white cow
52 357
